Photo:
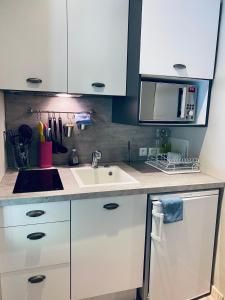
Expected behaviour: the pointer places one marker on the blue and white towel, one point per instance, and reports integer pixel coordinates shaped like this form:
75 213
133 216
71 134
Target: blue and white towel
83 119
172 210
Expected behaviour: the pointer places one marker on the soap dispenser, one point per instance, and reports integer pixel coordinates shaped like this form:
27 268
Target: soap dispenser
73 158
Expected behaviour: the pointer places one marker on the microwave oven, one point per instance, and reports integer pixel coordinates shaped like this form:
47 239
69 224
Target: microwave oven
167 102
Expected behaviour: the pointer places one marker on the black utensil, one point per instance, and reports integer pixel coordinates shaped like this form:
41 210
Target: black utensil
12 136
50 126
25 134
61 147
55 140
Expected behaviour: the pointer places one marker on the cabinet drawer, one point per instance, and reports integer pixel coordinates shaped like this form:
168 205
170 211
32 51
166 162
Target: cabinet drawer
34 213
32 246
55 285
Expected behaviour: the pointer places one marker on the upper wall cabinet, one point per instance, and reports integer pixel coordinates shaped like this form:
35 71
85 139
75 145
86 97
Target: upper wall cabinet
33 51
97 46
179 38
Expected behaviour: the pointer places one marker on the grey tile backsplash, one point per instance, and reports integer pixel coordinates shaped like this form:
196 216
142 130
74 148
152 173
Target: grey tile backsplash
103 135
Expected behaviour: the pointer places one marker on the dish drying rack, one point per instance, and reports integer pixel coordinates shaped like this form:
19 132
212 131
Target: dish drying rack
181 165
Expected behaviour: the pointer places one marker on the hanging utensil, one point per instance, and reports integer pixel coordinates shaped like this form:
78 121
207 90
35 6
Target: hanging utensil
12 136
49 134
45 131
41 131
55 139
49 131
25 134
61 147
68 127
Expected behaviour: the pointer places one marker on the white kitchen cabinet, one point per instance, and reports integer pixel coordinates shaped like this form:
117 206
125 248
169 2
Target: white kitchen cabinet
179 38
33 52
2 141
33 246
37 213
55 284
107 245
97 46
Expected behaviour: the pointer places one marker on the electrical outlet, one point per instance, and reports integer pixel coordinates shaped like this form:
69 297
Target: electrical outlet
153 151
143 151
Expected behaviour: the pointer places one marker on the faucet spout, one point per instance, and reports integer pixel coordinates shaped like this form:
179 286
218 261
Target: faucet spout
96 156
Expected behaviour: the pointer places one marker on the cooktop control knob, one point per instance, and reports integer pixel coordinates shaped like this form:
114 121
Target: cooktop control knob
191 113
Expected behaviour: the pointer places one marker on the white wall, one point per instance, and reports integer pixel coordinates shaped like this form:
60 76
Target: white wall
2 142
213 149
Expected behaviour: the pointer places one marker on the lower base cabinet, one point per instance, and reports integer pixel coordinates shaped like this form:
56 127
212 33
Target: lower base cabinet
50 283
107 245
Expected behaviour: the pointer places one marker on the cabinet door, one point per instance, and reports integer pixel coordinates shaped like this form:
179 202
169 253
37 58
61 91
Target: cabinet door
54 284
97 41
179 37
181 260
107 245
33 52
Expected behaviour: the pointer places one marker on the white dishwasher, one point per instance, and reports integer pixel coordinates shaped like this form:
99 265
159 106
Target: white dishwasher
181 253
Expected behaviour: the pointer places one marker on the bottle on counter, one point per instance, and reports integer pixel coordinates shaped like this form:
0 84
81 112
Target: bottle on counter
165 143
157 141
73 158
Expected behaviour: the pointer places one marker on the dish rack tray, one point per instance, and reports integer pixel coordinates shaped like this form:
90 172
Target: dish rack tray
174 166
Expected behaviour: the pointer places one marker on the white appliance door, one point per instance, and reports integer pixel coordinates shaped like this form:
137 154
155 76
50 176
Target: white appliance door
163 102
182 252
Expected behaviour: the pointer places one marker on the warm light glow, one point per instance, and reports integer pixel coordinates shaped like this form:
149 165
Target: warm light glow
64 95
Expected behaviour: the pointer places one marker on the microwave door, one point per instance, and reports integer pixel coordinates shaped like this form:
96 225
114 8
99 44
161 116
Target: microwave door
166 102
147 101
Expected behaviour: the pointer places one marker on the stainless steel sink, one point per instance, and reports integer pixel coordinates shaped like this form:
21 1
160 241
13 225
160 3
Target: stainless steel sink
101 176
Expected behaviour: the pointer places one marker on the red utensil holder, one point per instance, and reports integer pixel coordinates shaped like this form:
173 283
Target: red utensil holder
45 155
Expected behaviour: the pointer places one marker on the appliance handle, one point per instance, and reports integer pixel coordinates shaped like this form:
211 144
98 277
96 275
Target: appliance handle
183 103
159 216
180 93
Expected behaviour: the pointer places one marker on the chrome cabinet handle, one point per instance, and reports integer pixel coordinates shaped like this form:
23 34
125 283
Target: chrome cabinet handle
179 66
36 279
98 84
34 80
35 213
36 236
111 206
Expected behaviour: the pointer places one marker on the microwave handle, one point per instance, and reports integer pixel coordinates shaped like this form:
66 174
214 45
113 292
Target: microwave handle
182 95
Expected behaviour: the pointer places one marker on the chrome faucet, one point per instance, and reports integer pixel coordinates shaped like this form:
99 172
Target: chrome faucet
96 156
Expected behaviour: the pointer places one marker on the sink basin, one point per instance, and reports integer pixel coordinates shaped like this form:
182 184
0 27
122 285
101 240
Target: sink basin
101 176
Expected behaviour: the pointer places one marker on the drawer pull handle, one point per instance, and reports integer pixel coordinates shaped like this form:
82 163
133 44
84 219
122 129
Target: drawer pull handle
34 80
98 84
35 213
36 236
179 66
36 279
111 206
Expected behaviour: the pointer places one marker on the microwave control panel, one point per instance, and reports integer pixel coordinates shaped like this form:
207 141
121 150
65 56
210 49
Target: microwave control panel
189 99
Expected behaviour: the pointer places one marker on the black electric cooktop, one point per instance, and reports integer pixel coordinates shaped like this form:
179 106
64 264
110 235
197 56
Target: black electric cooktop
38 181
